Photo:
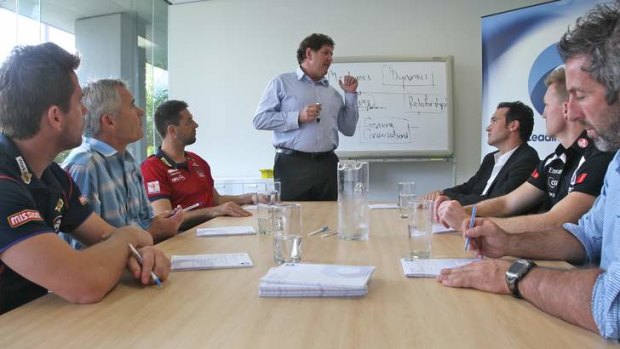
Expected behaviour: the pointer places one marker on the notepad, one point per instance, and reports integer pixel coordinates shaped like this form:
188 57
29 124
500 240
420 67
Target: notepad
431 267
226 231
438 228
315 280
211 261
382 206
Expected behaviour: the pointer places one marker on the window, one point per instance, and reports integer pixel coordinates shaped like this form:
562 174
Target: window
118 39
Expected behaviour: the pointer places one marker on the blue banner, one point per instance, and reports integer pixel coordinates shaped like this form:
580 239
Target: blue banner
518 52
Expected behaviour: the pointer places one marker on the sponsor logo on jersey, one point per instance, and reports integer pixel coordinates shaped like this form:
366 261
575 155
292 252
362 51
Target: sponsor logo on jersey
553 183
153 187
26 175
23 217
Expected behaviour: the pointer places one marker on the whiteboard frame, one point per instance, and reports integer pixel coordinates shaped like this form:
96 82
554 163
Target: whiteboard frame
448 60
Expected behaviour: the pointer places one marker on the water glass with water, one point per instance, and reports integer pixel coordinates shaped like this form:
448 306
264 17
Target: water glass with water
406 196
287 227
264 216
420 228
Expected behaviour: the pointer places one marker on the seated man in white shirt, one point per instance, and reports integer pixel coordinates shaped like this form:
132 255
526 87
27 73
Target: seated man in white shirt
503 170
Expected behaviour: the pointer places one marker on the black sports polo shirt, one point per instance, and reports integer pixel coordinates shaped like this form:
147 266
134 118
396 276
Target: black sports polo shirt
579 168
28 207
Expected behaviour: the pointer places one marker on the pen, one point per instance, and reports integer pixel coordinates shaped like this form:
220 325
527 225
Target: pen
471 225
318 117
320 230
329 234
191 207
136 254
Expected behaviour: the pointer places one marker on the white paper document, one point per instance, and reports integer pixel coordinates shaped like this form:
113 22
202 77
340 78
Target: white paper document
315 280
226 231
431 267
211 261
438 228
383 206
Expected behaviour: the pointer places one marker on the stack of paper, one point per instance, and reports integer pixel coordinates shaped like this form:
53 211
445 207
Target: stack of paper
315 280
431 267
382 206
226 231
211 261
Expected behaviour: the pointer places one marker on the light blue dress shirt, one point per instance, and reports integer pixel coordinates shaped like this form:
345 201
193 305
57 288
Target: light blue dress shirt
112 183
287 94
599 233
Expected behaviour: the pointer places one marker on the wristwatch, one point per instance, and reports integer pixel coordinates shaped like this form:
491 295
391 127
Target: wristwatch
517 271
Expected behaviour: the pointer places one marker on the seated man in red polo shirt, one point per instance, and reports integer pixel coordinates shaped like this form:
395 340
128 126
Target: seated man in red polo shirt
174 176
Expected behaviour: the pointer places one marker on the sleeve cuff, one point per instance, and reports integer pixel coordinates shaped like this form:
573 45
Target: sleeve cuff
580 234
292 120
605 305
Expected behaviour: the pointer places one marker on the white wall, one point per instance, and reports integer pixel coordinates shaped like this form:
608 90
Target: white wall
222 53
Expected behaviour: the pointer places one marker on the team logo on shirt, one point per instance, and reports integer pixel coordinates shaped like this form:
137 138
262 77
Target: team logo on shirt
582 142
26 175
23 217
153 187
59 205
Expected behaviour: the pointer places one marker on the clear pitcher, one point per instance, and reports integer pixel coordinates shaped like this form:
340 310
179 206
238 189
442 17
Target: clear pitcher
353 212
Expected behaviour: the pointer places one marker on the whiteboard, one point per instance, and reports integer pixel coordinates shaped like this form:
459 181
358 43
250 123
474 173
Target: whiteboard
405 107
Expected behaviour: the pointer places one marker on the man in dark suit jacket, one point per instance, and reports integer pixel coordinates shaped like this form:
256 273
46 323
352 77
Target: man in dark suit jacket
505 169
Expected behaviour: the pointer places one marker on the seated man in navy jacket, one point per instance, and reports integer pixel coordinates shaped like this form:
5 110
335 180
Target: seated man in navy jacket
505 169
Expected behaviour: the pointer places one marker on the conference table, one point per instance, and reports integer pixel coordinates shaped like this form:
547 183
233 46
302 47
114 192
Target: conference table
222 309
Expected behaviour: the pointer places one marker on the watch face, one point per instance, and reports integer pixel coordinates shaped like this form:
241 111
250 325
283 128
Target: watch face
519 267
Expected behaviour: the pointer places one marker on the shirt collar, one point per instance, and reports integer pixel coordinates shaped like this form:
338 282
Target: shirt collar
503 158
301 75
163 157
18 162
104 148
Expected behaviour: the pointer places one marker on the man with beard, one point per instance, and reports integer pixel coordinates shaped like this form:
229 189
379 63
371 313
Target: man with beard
588 297
305 114
175 177
106 171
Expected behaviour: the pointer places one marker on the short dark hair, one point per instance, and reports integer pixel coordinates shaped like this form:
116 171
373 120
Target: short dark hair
32 79
521 113
314 42
168 113
597 36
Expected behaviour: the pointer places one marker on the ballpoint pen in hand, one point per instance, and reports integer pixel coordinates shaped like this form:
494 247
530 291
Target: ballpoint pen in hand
472 221
137 256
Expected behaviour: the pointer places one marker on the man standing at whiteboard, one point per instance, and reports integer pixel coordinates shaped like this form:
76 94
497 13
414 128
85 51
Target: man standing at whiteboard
305 114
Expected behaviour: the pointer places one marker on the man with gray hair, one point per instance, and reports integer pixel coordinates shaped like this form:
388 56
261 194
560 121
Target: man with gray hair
588 297
106 172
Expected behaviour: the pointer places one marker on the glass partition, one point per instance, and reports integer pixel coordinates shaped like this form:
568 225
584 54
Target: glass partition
116 39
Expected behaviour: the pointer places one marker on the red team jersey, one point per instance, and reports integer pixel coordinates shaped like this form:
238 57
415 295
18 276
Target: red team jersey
182 183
